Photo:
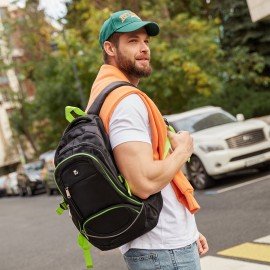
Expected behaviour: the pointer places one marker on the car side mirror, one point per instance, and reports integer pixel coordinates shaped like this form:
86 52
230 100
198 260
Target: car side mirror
240 117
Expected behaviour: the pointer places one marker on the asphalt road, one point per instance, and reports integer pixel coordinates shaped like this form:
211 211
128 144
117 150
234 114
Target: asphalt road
33 237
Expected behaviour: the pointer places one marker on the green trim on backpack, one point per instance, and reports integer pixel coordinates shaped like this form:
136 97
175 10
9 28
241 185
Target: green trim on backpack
128 188
120 177
85 246
76 110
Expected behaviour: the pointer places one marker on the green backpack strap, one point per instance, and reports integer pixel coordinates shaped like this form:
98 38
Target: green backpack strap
76 110
82 241
167 142
61 208
167 148
85 246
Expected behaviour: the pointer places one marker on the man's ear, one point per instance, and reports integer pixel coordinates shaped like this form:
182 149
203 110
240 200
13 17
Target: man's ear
109 48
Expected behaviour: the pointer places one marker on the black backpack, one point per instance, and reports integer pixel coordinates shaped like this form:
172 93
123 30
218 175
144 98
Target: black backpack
97 196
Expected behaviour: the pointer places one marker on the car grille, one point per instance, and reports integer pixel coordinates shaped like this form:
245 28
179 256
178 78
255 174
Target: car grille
246 139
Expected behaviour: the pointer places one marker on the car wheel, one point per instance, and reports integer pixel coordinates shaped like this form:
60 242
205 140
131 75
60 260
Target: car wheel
21 191
29 191
198 175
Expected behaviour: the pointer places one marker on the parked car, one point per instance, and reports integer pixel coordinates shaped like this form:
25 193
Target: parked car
29 178
49 155
265 118
222 144
48 174
2 186
11 183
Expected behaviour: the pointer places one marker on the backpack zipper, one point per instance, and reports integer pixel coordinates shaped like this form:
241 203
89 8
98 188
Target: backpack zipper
67 192
71 202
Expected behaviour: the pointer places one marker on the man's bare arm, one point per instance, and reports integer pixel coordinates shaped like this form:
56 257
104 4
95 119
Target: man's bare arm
145 175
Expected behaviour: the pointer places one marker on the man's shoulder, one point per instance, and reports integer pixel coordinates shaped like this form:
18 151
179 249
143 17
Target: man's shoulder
131 106
132 99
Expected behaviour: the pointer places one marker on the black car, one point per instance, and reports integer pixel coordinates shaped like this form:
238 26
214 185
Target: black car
29 178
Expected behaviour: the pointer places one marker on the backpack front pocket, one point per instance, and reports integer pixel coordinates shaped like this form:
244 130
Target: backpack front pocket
112 221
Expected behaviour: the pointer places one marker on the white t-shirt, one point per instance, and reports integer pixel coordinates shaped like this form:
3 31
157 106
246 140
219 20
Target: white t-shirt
176 227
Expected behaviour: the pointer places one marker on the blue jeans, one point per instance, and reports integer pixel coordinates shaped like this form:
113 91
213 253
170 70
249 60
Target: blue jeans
186 258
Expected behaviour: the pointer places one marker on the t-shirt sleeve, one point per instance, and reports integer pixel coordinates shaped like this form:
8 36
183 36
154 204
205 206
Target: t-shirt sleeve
129 122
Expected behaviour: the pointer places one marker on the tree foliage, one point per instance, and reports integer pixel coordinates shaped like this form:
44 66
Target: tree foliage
199 58
237 29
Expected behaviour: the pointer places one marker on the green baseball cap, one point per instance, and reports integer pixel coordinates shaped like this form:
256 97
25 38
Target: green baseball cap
125 21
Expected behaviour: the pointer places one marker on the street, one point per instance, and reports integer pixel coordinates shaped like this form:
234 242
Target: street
234 215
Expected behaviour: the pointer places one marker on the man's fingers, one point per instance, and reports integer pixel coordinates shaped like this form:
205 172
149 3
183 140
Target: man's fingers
199 245
205 247
202 245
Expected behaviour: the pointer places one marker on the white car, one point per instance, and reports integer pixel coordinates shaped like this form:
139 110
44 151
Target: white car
222 144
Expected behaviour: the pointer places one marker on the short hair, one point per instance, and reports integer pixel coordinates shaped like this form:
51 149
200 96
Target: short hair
114 39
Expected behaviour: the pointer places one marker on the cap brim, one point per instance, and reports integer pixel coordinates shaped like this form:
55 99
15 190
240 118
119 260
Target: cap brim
151 28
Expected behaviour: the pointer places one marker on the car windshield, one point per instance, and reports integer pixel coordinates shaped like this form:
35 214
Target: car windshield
202 121
34 166
47 156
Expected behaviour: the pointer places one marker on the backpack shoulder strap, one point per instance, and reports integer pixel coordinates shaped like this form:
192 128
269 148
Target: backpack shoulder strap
97 104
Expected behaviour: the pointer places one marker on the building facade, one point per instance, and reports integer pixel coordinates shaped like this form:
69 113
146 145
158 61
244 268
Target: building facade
10 150
259 9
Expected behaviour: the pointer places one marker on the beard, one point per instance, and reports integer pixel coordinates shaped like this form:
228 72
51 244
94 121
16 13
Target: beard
130 68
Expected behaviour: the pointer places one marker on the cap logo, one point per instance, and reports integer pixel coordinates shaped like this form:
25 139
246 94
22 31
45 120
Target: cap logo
125 15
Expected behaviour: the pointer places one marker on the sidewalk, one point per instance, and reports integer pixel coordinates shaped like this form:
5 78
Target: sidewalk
247 256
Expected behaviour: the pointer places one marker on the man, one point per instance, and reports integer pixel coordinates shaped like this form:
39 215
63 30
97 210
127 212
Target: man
134 125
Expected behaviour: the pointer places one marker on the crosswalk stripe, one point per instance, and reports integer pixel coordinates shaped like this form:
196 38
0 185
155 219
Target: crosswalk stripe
214 263
265 240
251 251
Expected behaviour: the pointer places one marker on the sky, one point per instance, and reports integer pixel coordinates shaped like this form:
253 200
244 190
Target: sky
53 8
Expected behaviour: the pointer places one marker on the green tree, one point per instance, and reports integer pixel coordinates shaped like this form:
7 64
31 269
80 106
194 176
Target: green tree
191 68
28 31
246 60
184 55
237 29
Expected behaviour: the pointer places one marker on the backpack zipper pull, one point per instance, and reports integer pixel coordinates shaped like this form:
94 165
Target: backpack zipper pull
67 192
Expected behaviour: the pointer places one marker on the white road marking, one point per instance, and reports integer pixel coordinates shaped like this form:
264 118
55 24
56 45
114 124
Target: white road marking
265 240
214 263
267 177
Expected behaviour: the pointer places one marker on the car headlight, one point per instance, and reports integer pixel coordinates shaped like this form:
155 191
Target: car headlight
210 148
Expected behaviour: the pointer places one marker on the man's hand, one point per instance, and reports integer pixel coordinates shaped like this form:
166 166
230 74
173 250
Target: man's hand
202 245
182 140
